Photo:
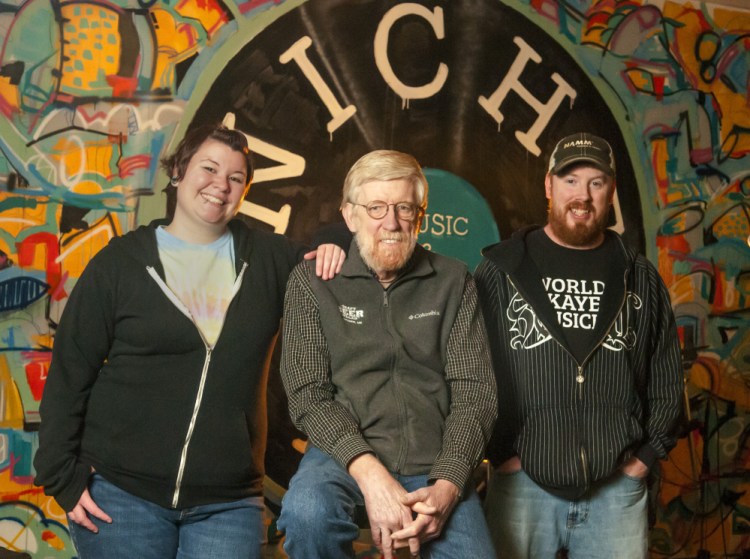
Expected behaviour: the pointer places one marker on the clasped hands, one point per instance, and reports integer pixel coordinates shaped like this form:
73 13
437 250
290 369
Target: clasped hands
397 518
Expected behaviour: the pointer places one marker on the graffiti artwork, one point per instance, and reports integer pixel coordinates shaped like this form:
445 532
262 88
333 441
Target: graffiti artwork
92 94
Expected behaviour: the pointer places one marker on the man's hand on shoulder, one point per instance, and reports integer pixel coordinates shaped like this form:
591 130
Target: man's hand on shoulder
433 506
384 501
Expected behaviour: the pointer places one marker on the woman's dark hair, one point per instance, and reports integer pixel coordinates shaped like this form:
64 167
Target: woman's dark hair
194 139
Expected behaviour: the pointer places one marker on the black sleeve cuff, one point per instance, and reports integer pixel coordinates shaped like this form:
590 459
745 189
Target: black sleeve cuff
336 234
647 454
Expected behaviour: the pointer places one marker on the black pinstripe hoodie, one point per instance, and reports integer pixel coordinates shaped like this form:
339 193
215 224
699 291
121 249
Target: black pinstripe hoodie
571 422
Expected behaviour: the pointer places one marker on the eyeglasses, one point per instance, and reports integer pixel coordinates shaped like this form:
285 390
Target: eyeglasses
378 209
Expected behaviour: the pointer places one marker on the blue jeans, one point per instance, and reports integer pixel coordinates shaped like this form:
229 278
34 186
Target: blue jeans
145 530
528 522
319 512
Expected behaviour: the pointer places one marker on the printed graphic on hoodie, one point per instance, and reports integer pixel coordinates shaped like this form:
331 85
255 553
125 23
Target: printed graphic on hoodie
527 331
576 301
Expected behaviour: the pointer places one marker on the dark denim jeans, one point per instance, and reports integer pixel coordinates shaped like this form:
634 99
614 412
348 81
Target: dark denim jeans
318 514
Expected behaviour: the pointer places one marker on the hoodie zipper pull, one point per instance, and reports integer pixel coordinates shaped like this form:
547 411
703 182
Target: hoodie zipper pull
579 380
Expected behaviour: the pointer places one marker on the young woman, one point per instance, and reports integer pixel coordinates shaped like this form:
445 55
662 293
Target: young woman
153 426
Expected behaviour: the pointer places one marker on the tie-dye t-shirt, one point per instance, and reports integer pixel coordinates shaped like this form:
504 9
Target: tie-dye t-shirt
201 276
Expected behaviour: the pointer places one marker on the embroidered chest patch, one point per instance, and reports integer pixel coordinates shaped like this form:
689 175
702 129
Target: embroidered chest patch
352 315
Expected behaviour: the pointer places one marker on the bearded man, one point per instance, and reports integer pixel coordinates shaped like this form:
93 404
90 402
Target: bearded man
387 371
586 355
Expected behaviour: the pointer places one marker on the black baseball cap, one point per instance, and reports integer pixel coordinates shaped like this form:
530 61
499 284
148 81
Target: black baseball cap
582 148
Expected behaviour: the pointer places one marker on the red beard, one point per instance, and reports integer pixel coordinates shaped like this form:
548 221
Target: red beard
578 234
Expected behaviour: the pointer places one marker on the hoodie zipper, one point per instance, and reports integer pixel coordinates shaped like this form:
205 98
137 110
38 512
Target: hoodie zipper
204 372
580 378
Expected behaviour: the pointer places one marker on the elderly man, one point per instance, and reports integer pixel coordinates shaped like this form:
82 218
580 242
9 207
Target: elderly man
388 374
585 346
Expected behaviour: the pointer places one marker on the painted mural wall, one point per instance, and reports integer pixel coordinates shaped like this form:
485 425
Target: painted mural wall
93 93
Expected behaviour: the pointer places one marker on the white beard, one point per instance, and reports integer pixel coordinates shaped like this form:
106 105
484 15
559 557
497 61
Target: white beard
386 257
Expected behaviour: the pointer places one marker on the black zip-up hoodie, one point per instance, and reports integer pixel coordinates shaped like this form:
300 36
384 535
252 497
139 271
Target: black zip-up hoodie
575 423
136 394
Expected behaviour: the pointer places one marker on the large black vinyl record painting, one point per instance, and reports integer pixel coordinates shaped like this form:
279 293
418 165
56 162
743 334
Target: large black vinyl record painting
475 91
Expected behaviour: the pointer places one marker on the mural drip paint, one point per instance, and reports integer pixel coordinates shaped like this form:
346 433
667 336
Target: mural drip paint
93 94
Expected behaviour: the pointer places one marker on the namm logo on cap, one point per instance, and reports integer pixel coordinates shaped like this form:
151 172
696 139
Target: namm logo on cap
579 143
582 148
